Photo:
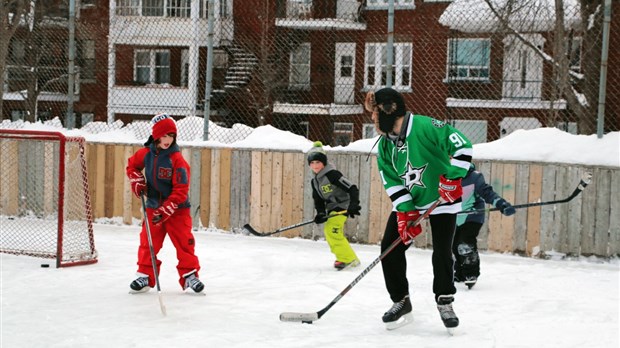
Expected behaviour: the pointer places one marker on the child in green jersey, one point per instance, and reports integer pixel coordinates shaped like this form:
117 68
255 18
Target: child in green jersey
335 198
420 160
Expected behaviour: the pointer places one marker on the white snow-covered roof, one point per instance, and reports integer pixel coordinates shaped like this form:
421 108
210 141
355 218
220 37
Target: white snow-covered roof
475 16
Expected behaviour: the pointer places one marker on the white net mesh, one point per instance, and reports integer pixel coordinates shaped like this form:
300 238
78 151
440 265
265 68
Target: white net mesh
45 208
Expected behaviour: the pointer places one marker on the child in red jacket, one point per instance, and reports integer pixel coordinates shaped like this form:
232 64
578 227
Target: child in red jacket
167 206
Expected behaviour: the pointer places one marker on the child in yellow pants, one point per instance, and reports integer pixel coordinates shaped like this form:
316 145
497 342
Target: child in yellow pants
335 199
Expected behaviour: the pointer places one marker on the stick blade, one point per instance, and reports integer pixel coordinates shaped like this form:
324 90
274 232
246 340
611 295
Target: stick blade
299 317
251 230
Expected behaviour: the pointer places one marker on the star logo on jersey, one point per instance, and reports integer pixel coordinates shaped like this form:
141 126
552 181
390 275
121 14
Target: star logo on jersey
413 176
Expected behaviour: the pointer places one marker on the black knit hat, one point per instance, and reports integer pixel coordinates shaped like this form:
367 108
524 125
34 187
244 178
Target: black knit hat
316 153
390 102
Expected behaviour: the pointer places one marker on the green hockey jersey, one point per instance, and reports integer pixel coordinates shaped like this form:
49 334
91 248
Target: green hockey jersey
410 165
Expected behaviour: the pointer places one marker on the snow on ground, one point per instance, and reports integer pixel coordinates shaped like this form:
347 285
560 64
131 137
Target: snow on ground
518 302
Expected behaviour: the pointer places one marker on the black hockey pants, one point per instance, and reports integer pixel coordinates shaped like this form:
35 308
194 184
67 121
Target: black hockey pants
395 264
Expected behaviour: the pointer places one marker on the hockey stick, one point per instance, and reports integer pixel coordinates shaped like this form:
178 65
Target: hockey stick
308 318
251 229
585 180
153 259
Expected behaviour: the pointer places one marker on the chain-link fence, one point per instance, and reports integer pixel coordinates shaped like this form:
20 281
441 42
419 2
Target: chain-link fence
487 66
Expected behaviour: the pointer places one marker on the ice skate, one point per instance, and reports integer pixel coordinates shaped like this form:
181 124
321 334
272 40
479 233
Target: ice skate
470 281
399 315
339 265
140 284
449 318
192 282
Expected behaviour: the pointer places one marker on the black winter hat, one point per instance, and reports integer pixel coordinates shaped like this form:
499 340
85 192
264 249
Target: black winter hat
316 153
390 102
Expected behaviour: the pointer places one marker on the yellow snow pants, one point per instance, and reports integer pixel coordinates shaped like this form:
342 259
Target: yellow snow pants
338 243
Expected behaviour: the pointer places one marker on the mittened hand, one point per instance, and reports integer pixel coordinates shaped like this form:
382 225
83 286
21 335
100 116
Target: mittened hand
320 218
138 183
505 207
450 189
164 212
354 209
406 227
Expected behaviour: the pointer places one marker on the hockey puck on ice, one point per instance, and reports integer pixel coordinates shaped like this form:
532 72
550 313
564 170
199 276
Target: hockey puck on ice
45 265
306 322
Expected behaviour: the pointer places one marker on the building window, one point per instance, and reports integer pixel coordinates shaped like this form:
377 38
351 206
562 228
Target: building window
152 67
178 8
343 133
574 54
153 8
18 51
469 59
299 76
128 7
86 56
375 72
370 131
383 4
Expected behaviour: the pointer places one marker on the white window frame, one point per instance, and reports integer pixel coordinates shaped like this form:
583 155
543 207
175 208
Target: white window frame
343 128
468 69
375 59
152 65
383 4
297 61
305 125
369 131
169 8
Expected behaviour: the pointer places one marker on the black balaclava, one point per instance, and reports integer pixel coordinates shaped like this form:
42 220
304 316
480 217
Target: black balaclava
391 106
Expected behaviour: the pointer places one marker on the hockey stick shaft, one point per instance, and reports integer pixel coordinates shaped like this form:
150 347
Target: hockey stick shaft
585 180
153 258
310 317
250 229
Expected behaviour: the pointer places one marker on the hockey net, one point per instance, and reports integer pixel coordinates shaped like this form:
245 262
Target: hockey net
45 208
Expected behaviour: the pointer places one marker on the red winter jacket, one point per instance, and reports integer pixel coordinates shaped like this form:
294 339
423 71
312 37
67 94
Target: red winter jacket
166 172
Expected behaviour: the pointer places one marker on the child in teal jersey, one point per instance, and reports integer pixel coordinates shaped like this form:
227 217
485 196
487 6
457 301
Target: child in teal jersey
335 198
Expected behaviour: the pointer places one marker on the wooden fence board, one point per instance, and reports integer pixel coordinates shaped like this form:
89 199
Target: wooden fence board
255 209
588 215
602 212
352 227
235 189
573 219
118 166
128 196
215 188
559 238
494 239
547 211
533 214
508 192
193 159
10 187
224 189
363 185
265 194
245 185
299 171
614 216
286 210
520 217
276 190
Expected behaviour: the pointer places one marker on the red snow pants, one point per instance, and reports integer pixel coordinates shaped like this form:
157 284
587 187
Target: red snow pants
179 228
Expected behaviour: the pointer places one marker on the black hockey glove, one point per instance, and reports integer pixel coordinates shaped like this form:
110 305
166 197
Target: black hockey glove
320 218
505 207
354 209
